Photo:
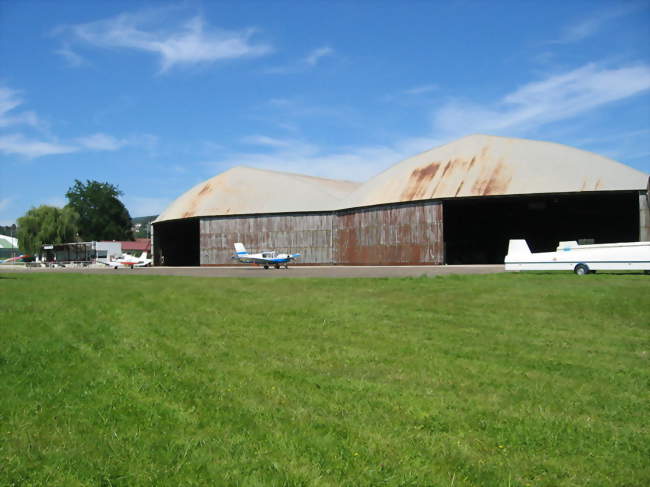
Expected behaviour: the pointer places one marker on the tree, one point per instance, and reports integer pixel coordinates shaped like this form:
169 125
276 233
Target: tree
45 225
102 216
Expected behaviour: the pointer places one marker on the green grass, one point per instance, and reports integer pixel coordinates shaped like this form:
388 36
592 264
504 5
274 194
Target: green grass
504 380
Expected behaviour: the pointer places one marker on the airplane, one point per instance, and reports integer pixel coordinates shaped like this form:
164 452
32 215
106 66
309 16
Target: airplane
266 259
18 258
127 260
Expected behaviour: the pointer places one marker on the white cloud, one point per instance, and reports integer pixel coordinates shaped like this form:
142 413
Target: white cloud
558 97
264 140
304 64
519 113
191 42
31 148
314 56
411 92
591 24
70 56
9 100
419 90
302 157
101 142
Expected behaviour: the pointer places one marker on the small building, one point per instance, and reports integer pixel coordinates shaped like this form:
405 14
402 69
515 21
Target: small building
136 247
82 252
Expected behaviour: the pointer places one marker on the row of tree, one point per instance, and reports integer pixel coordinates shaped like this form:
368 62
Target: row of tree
94 212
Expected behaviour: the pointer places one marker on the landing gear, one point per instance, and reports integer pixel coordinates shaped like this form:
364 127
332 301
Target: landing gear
277 266
581 269
266 266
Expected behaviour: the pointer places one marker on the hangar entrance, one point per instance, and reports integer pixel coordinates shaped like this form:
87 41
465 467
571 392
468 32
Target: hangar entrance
176 243
477 230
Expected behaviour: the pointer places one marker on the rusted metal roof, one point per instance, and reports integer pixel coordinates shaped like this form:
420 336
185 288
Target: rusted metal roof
484 165
244 190
476 165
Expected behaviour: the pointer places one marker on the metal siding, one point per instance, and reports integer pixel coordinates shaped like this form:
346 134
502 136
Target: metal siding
396 234
405 234
308 235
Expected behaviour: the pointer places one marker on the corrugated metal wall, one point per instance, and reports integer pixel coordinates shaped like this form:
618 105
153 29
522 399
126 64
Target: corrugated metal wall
398 234
392 234
308 234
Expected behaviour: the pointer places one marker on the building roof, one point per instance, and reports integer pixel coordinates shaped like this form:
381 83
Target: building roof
476 165
244 190
484 165
142 244
7 242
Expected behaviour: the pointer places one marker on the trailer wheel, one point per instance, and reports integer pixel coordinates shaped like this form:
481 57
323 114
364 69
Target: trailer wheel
581 269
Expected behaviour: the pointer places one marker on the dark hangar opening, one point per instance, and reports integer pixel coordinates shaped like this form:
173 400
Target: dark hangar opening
176 243
477 230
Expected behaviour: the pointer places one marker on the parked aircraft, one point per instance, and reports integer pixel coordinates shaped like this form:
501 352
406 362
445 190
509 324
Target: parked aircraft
127 260
266 259
582 259
12 260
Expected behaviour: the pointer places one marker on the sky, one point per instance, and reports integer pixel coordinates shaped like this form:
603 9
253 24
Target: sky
155 97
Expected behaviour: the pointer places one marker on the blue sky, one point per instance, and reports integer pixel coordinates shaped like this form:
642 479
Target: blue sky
155 97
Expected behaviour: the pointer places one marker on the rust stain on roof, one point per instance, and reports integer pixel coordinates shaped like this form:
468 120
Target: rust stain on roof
493 183
460 186
194 202
205 190
418 181
599 184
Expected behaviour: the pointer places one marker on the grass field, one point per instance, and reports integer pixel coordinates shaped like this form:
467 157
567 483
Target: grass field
504 380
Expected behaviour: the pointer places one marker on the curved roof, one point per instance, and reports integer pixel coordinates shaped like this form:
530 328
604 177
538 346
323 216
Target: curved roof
244 190
482 165
476 165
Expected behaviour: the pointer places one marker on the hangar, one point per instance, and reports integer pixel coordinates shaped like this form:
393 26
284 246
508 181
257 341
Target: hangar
459 203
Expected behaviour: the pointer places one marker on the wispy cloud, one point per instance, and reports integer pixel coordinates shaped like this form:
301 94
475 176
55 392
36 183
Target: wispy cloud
24 135
419 90
304 157
413 92
559 97
20 145
263 140
188 43
592 23
73 59
9 101
101 142
314 56
306 63
522 112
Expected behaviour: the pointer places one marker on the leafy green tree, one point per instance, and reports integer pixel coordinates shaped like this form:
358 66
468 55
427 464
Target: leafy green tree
102 216
46 224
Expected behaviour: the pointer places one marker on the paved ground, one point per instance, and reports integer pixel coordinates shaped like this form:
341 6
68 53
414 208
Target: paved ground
293 271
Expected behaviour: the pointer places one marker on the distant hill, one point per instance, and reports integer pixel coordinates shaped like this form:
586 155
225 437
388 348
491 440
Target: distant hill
143 219
140 225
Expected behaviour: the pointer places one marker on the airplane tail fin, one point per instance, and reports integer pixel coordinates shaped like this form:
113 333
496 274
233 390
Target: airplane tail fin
240 249
144 255
518 247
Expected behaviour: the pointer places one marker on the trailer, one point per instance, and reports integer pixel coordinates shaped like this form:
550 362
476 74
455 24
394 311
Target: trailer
581 259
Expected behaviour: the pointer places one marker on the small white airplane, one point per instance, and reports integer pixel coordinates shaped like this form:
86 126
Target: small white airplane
127 260
265 259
